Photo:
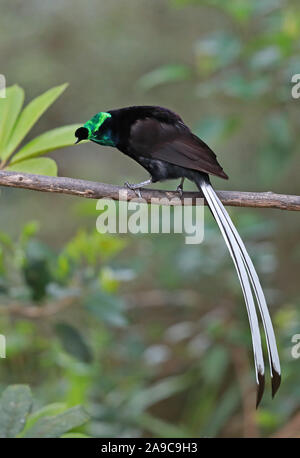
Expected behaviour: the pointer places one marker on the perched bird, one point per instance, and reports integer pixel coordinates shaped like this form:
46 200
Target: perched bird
158 139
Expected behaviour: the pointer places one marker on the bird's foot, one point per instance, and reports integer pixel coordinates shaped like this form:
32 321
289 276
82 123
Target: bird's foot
135 188
179 188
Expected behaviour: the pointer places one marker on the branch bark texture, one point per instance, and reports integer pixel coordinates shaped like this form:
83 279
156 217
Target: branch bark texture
94 190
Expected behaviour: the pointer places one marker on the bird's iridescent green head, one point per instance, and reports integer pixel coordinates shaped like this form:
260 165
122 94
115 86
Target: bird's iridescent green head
97 129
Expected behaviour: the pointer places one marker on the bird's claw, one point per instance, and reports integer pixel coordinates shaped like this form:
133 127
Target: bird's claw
179 189
132 187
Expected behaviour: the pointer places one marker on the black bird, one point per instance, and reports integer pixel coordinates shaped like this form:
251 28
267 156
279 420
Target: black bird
158 139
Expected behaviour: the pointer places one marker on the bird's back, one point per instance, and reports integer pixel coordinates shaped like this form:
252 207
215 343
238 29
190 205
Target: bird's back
158 133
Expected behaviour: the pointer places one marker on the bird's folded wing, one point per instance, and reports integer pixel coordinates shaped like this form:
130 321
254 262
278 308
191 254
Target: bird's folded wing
173 143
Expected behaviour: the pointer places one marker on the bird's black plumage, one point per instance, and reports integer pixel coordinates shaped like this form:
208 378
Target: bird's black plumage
159 140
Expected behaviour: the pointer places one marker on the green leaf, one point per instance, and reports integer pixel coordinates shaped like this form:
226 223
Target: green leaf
240 10
49 410
156 393
10 108
15 405
40 166
269 420
216 51
29 230
73 342
236 85
108 281
75 436
265 58
49 141
107 308
161 428
55 426
163 75
222 412
215 364
29 116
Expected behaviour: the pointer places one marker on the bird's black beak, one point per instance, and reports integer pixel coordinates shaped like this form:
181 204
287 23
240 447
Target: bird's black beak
77 141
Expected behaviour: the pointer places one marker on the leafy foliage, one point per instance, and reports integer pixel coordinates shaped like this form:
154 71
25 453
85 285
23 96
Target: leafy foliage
16 421
91 351
163 75
150 335
241 71
15 405
15 125
56 426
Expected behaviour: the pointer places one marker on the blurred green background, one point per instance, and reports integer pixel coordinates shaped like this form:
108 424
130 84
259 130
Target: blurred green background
148 333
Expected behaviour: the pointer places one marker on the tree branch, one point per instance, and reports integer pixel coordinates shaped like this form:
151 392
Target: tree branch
93 190
36 311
